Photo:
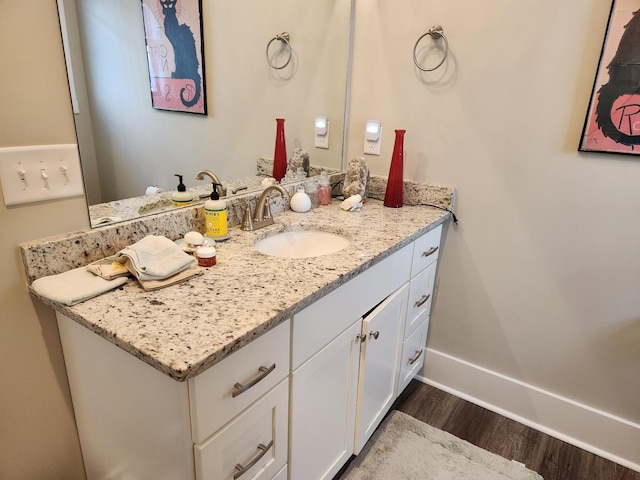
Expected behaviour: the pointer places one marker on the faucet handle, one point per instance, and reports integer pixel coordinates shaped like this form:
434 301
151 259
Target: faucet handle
247 218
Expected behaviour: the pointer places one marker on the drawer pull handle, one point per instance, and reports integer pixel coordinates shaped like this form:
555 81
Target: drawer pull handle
243 469
415 358
239 388
375 335
431 251
422 301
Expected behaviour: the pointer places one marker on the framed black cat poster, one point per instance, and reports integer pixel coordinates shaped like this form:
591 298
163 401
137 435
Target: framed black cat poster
173 33
613 118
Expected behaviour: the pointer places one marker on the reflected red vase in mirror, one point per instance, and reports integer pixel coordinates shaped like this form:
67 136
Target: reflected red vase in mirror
280 154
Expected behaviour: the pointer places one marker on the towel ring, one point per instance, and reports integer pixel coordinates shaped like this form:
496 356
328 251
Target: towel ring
284 38
435 30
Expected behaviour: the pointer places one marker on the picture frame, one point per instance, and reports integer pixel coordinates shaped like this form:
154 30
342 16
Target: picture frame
613 119
175 54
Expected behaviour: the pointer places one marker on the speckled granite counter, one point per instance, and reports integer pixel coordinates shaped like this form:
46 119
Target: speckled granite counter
186 328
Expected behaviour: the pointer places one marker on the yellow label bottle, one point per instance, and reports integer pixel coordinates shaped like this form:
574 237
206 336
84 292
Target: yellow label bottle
215 219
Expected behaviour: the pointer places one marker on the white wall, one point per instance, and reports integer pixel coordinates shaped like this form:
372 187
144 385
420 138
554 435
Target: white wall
38 439
539 283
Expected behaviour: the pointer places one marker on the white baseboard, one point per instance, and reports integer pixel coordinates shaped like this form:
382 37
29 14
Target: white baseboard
594 430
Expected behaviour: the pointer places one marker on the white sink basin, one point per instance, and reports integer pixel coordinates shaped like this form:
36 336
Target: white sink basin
301 244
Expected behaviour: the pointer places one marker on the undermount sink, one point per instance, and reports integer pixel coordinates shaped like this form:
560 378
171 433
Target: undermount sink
301 244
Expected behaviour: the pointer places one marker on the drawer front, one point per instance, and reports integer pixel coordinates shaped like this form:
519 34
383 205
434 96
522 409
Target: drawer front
426 250
253 446
420 298
215 396
413 353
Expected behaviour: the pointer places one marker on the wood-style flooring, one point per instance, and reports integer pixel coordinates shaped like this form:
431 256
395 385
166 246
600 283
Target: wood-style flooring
550 457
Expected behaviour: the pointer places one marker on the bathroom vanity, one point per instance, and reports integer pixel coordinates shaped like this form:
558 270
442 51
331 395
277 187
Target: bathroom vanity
262 368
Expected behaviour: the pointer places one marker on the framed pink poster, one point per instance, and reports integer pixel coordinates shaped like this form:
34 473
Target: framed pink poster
173 33
613 119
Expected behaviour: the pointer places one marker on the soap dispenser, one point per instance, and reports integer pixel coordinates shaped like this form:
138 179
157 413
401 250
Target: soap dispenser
215 216
181 197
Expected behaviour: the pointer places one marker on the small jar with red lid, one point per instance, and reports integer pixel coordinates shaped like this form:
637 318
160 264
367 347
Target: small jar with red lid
206 256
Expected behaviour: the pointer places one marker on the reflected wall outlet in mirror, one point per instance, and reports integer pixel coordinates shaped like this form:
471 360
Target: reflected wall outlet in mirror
372 137
322 132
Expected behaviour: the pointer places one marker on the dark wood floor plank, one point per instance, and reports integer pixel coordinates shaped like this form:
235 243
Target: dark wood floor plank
552 458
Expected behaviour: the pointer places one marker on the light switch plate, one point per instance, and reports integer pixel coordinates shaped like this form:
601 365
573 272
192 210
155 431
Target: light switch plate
38 173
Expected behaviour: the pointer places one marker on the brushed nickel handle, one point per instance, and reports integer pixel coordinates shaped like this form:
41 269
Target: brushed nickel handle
415 358
375 335
239 388
242 469
431 251
422 300
362 338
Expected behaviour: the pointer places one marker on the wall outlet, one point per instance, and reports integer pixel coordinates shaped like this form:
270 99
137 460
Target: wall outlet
372 137
38 173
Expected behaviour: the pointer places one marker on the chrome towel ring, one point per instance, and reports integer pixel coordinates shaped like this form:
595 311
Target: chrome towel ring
435 30
284 38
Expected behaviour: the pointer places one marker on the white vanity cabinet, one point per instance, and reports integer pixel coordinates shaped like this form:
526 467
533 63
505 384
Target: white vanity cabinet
136 422
294 404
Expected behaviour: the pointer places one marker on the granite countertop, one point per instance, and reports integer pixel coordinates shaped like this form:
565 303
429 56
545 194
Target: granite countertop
186 328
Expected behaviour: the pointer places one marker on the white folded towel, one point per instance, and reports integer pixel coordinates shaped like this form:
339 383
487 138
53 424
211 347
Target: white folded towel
74 286
155 258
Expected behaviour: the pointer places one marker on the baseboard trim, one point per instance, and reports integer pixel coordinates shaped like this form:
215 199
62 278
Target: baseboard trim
593 430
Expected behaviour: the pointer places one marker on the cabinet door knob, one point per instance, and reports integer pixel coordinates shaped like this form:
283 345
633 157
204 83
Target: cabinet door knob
242 469
375 335
415 358
431 251
238 388
422 301
362 338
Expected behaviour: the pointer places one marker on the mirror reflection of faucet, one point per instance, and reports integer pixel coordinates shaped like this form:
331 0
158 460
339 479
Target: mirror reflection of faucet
222 192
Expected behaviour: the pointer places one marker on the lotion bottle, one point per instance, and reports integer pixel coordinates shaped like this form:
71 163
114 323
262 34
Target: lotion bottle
181 197
215 216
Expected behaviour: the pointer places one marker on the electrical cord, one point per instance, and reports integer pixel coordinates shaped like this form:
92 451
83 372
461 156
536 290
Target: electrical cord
453 215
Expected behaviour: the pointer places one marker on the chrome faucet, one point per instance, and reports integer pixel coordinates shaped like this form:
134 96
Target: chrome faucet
262 216
214 178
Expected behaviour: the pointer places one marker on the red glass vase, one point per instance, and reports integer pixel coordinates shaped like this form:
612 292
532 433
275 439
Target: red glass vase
393 195
280 154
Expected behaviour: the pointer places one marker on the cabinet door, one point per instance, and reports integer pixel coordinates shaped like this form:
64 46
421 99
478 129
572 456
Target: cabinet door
379 364
323 401
252 446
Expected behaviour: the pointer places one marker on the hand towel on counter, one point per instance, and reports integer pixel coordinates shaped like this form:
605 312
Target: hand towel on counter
74 286
155 258
158 262
108 268
192 271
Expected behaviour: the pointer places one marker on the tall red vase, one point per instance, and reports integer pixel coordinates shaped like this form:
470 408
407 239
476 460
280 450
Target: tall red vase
280 154
393 195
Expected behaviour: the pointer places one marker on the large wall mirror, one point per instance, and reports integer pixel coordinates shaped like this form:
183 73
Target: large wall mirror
126 145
